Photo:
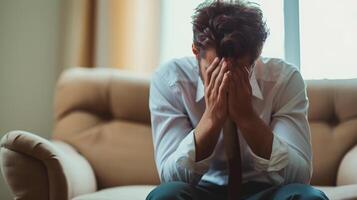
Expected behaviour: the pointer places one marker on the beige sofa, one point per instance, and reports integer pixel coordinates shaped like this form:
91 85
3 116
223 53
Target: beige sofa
101 146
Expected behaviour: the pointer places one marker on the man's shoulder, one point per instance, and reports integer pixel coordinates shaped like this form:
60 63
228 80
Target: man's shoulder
274 69
177 70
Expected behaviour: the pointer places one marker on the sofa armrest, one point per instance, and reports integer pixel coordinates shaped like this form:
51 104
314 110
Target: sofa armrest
78 171
347 173
36 168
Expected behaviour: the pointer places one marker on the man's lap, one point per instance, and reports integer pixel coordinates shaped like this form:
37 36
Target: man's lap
182 191
250 191
293 191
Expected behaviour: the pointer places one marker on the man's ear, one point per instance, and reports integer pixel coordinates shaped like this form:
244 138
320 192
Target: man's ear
195 51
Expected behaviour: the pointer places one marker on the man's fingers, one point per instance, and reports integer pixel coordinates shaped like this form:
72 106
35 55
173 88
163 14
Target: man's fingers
215 74
220 76
248 81
244 74
232 81
223 88
210 69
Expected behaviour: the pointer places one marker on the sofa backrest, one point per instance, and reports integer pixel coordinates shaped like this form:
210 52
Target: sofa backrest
333 123
104 114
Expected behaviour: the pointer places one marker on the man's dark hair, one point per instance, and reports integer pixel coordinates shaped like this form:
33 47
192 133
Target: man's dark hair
233 29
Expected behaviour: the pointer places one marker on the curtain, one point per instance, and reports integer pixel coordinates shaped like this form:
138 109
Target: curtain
134 28
112 33
79 33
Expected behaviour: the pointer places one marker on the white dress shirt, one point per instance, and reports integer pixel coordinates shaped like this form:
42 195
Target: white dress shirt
279 98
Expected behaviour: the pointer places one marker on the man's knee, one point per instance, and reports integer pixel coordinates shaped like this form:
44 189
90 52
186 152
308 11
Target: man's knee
172 191
298 191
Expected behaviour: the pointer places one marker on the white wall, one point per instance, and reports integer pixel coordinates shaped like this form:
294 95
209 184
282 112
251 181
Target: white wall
30 56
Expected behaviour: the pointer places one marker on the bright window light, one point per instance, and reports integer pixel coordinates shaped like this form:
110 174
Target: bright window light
176 28
176 33
328 39
274 15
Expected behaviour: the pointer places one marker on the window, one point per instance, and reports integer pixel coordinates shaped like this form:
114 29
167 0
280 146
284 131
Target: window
176 31
324 47
176 28
328 39
274 16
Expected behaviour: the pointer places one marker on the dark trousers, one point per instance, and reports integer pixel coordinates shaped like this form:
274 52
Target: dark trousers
250 191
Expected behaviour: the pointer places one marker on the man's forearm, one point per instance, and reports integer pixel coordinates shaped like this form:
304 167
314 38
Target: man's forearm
206 137
257 134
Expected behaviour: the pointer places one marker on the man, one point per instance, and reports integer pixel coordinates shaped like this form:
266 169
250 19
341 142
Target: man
192 98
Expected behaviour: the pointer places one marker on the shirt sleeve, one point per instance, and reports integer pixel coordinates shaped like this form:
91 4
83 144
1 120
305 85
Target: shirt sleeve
291 150
173 134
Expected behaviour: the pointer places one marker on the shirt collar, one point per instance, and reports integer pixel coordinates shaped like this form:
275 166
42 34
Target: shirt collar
200 92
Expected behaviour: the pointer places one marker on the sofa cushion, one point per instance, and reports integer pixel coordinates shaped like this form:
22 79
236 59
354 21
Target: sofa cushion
105 115
345 192
134 192
139 192
333 122
120 152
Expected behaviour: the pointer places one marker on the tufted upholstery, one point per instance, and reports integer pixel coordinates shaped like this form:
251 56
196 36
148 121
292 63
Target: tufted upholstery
103 115
333 123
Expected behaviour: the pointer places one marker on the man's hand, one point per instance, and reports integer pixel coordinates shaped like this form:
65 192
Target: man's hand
240 96
216 82
257 134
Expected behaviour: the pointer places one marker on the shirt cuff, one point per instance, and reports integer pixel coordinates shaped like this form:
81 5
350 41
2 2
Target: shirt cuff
279 158
187 155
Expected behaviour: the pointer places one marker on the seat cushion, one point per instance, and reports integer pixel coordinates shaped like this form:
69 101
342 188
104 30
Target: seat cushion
344 192
133 192
139 192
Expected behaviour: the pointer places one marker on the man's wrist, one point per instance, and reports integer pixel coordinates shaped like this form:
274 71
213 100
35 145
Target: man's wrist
206 136
247 120
257 134
211 122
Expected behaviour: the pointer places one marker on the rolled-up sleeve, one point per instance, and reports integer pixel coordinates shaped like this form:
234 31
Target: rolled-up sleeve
173 134
291 150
